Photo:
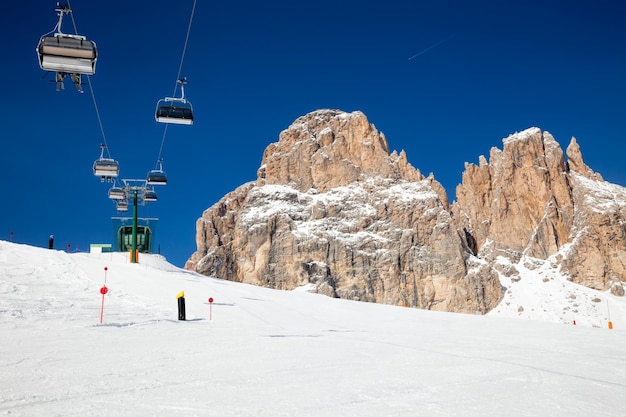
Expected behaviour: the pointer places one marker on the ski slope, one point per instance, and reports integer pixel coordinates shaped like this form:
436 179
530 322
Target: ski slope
260 352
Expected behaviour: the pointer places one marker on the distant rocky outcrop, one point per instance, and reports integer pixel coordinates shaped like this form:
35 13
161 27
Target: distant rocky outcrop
333 209
529 201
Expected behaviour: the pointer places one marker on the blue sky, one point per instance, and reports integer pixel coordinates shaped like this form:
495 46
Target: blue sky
483 70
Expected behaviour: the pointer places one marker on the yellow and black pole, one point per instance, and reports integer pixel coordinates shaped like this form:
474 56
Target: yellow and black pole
181 305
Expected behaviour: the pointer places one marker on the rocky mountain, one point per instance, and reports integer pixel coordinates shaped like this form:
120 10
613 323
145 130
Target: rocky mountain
333 209
528 201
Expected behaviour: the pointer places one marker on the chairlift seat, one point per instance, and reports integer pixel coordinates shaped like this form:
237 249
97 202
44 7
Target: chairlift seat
67 53
122 206
116 193
156 177
150 196
105 167
174 111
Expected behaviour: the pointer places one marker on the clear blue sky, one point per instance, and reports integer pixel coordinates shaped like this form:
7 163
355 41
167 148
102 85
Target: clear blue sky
483 70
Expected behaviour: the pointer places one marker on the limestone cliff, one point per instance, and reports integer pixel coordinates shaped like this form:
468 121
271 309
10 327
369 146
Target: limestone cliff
521 200
529 201
333 209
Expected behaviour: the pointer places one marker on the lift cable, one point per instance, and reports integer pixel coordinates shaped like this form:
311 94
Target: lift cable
182 58
180 68
93 95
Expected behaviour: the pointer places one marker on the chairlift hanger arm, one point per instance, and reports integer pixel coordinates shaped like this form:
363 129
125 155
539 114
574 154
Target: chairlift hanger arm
61 9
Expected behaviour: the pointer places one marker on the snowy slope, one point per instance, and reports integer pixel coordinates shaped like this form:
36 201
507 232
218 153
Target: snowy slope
260 352
541 292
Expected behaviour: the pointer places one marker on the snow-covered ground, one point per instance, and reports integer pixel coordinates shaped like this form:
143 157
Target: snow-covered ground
541 292
259 352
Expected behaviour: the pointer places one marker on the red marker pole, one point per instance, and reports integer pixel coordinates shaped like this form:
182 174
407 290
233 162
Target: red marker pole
210 308
103 291
68 248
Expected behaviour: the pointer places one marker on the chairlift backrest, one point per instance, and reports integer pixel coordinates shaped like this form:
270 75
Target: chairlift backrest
68 45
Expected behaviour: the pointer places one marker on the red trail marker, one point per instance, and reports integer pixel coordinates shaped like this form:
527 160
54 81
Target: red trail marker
103 291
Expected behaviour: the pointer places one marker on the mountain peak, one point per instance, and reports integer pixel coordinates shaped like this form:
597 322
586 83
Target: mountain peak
523 135
576 164
331 148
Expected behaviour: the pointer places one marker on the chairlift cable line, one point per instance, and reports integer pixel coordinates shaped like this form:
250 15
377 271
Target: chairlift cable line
93 95
182 58
162 142
180 68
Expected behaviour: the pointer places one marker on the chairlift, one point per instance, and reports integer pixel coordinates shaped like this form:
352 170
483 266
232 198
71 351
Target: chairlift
176 110
149 195
122 205
116 193
157 176
105 168
67 54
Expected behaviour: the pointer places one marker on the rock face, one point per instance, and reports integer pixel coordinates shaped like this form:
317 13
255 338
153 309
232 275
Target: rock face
333 209
328 149
528 201
521 200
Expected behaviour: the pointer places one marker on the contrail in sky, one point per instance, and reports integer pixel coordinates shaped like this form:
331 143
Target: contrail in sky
432 46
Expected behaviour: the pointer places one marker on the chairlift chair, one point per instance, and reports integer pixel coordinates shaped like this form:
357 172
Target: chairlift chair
105 168
116 193
67 54
149 195
122 206
176 110
71 54
157 176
